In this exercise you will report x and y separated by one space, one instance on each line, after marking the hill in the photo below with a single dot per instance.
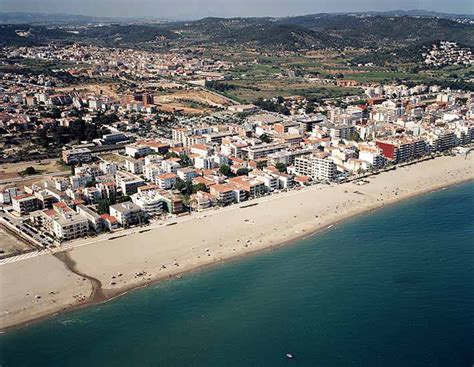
314 31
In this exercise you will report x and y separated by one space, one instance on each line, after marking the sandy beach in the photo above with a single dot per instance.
99 269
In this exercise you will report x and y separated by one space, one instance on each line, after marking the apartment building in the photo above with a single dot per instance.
372 155
94 219
263 150
186 174
172 203
342 132
68 225
254 187
134 165
128 183
442 141
108 168
24 204
166 180
127 213
151 202
74 156
201 201
403 149
136 151
223 193
315 167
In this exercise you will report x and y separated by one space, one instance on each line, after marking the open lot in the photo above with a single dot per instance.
106 89
15 170
11 245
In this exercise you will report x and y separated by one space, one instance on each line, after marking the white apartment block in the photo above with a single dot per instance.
69 225
151 202
134 166
127 213
316 168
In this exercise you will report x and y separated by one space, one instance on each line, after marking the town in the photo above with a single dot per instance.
131 156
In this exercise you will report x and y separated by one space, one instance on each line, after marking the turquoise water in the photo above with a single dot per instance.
392 288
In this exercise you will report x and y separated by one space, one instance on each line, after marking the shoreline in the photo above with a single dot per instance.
77 256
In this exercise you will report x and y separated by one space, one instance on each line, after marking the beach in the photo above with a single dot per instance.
102 268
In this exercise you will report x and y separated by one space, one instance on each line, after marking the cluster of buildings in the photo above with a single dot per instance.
192 164
121 62
447 53
205 164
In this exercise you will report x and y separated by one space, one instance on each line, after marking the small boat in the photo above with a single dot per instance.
290 356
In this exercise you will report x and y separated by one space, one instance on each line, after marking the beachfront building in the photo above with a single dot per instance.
127 213
403 149
109 222
317 168
151 202
172 203
372 155
201 201
253 187
442 140
94 219
24 204
68 225
223 193
269 181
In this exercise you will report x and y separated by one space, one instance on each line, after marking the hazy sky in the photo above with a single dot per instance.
225 8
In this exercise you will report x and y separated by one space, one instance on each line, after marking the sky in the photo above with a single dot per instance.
193 9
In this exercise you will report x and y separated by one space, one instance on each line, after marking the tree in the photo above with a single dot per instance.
281 167
180 185
171 155
225 170
199 187
185 160
310 108
123 199
103 206
30 171
242 172
265 138
91 183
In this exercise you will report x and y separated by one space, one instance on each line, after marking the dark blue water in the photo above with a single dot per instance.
392 288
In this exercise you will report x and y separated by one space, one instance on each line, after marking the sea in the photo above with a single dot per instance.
391 288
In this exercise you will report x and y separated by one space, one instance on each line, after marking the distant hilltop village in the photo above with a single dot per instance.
145 136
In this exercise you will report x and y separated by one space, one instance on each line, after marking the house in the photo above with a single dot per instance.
110 222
